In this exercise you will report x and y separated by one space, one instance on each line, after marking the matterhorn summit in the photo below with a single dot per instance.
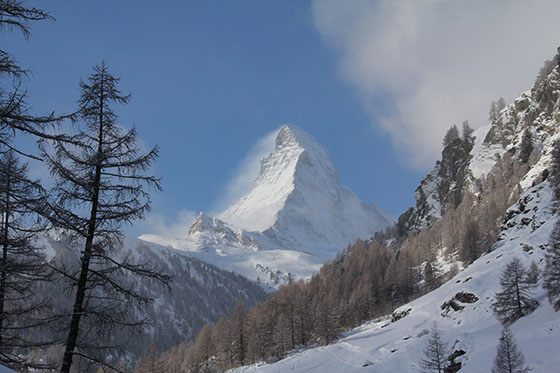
295 217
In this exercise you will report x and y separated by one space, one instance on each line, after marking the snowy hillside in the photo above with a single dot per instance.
296 217
385 346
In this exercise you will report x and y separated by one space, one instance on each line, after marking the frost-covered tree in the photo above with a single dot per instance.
551 273
526 147
101 184
514 300
435 352
508 357
451 135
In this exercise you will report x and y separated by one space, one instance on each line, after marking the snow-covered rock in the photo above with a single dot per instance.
537 110
296 217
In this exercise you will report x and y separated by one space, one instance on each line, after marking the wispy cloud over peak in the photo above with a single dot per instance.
436 62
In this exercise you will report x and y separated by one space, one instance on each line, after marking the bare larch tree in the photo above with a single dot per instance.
435 352
14 110
508 357
101 183
21 263
514 300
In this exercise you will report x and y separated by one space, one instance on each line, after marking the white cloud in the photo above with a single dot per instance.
438 62
159 224
245 174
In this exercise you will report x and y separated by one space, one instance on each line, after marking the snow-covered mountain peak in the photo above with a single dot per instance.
295 217
202 222
296 160
308 151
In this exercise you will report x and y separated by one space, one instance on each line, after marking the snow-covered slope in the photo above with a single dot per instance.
296 217
385 346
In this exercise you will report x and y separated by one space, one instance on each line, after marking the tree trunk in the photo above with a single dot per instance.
86 257
4 275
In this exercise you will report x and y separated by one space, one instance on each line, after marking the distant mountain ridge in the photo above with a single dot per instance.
295 217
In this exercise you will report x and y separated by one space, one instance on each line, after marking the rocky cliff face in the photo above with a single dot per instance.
462 170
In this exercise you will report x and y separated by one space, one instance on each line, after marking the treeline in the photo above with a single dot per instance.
368 280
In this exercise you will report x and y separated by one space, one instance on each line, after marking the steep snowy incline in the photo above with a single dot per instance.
385 346
296 217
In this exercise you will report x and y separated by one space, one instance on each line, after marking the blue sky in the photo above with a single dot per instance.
209 79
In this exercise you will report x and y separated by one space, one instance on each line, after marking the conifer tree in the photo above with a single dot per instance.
533 274
451 135
204 347
238 323
100 185
508 358
547 68
526 146
151 362
435 352
493 114
554 175
514 300
500 105
431 277
551 274
22 264
467 136
472 243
